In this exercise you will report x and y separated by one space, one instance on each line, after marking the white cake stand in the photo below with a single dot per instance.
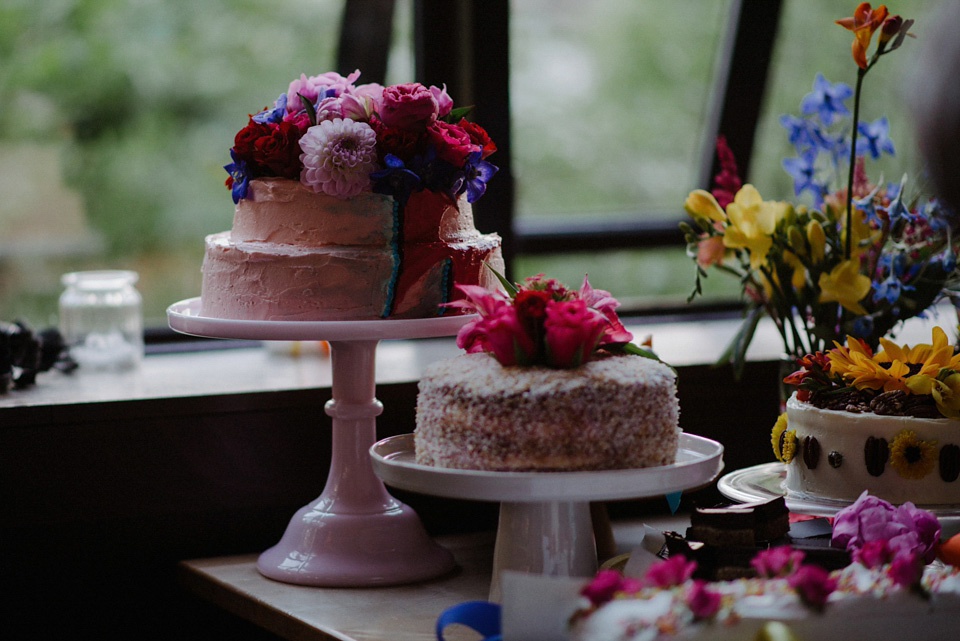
545 525
355 534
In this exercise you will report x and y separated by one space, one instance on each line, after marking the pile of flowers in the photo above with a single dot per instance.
341 139
542 322
861 257
921 381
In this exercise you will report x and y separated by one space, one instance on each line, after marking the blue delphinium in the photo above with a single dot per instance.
874 138
826 100
395 179
476 174
240 176
274 114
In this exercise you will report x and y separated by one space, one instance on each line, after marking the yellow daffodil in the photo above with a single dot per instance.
912 457
702 203
752 222
845 285
817 239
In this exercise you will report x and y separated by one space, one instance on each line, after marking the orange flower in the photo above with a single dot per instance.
864 22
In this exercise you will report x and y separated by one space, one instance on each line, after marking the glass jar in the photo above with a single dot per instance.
101 319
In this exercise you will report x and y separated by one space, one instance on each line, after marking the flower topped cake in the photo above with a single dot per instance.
884 421
550 382
352 202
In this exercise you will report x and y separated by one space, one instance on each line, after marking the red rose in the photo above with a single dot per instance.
408 106
451 142
244 143
402 143
478 136
280 150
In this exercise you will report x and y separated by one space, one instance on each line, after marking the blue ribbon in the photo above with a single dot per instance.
673 500
480 616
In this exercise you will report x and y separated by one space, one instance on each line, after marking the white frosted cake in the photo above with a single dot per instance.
885 422
353 202
614 412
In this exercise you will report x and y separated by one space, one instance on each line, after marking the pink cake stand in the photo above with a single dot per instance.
355 534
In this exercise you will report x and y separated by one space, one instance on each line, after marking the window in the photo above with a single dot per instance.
115 121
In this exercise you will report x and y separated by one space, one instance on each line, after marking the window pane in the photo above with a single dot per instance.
608 101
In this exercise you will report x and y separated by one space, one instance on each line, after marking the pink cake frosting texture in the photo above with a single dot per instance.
293 254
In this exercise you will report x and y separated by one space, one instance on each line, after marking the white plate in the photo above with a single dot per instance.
765 481
699 461
184 317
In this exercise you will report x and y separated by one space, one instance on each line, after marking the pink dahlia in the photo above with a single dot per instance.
338 157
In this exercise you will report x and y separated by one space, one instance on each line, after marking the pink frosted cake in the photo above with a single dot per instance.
547 387
885 422
352 202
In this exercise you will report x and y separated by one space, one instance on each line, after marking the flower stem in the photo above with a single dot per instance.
848 249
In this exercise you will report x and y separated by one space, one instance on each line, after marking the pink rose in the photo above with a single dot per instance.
906 529
777 561
444 101
407 106
671 572
452 143
906 570
703 603
872 554
571 332
813 584
507 338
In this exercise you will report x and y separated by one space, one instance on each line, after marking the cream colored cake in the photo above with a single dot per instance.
840 454
615 412
293 254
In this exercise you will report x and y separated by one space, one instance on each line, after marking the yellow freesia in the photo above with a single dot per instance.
863 234
752 222
817 239
845 285
702 203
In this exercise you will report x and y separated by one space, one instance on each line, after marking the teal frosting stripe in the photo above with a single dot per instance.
446 286
395 251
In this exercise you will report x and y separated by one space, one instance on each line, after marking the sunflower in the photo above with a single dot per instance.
784 442
912 457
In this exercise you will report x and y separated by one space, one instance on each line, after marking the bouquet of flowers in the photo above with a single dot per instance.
542 322
342 139
862 258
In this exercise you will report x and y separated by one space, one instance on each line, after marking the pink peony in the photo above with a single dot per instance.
338 157
407 106
311 88
777 561
571 332
906 529
671 572
452 142
813 584
703 602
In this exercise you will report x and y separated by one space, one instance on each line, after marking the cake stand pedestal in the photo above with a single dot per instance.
545 525
355 534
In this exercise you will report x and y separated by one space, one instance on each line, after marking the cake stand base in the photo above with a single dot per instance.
329 549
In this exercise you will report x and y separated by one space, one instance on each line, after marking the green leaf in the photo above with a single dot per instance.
456 114
308 106
736 350
507 285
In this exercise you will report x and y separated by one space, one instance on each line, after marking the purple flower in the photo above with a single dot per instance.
239 179
338 157
826 100
778 561
395 180
813 584
874 138
906 529
476 173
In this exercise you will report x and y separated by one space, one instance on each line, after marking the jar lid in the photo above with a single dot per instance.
100 279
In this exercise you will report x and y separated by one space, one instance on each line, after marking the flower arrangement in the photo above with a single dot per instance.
922 381
542 322
861 257
341 139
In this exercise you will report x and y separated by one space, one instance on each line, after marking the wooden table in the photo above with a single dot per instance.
401 613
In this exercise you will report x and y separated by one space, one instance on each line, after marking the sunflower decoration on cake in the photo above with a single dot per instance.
854 258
